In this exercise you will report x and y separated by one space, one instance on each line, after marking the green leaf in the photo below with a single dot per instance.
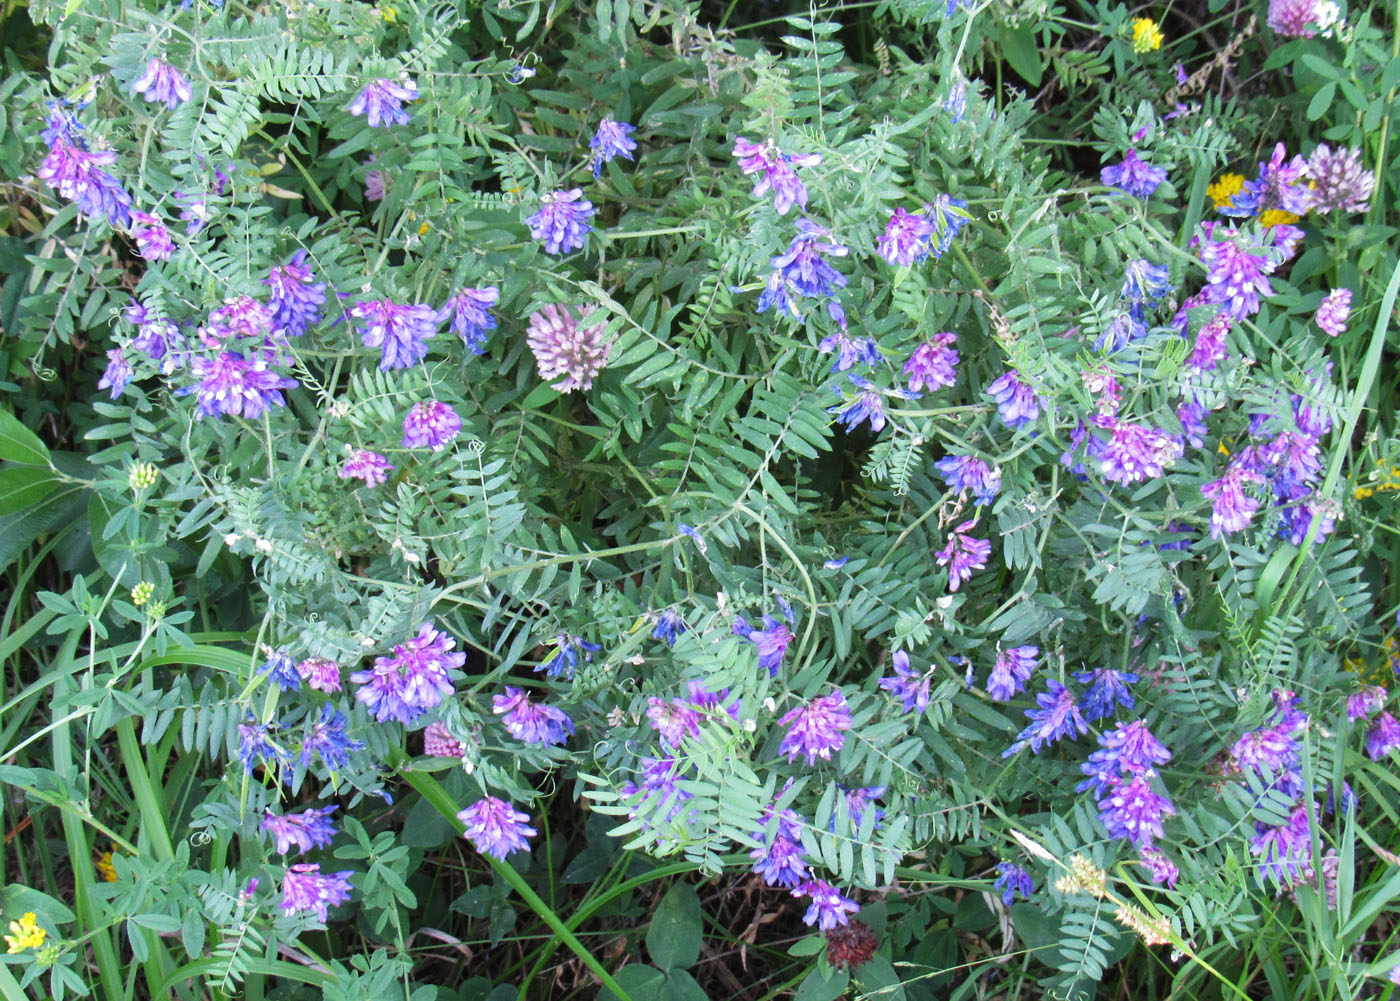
23 487
1019 47
809 946
819 988
676 929
681 986
641 982
19 444
1322 100
425 827
877 978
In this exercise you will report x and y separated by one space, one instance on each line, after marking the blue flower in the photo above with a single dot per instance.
162 84
328 739
949 216
1144 284
1108 689
1011 880
1133 175
303 831
864 351
611 140
829 908
563 222
381 102
117 374
780 861
966 472
496 827
565 657
471 319
909 686
772 642
297 297
1017 403
694 536
1055 717
866 405
400 332
669 626
281 669
255 745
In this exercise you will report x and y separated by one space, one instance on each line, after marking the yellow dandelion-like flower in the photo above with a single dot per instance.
1147 37
1276 217
1226 186
25 934
104 867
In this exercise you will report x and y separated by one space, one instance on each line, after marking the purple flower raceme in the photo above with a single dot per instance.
1361 705
1232 508
400 332
674 720
863 351
1285 851
1339 181
280 668
162 84
933 364
1134 452
371 467
76 173
1127 749
241 318
1055 717
949 216
828 908
155 337
1011 880
564 660
327 739
612 139
230 384
1334 311
381 102
414 679
776 172
302 831
867 405
1133 175
969 473
1280 184
297 297
496 827
658 795
431 425
1209 350
117 374
1383 737
563 221
438 742
320 673
153 240
816 728
805 271
305 890
1132 810
1108 690
669 626
1235 277
1144 284
256 745
905 240
1017 403
567 345
530 722
963 554
1013 668
772 641
908 685
470 315
1160 869
781 861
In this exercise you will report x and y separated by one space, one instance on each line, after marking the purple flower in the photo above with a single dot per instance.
966 472
867 405
674 721
1339 181
816 728
1285 852
1017 403
496 827
1290 18
1160 869
1209 349
413 680
1126 749
1133 811
829 909
305 890
241 318
565 657
319 673
230 384
400 331
906 684
153 240
374 183
563 222
328 739
282 671
1383 737
1013 668
381 102
1334 311
949 217
777 172
1135 452
117 374
772 642
76 174
1011 880
531 723
906 238
567 345
432 425
1144 284
154 336
1108 689
933 364
255 744
1134 175
1055 718
780 861
669 626
611 140
805 268
438 742
859 800
1232 507
1361 705
963 554
297 297
865 351
1235 278
371 467
658 793
162 84
303 831
1278 185
471 319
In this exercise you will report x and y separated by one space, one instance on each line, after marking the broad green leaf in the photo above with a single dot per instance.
19 444
1021 51
23 487
676 929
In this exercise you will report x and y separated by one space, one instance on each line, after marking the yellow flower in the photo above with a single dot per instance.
1226 186
104 867
25 934
1147 37
1276 217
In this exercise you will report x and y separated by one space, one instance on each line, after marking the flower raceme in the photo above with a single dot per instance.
776 172
413 679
